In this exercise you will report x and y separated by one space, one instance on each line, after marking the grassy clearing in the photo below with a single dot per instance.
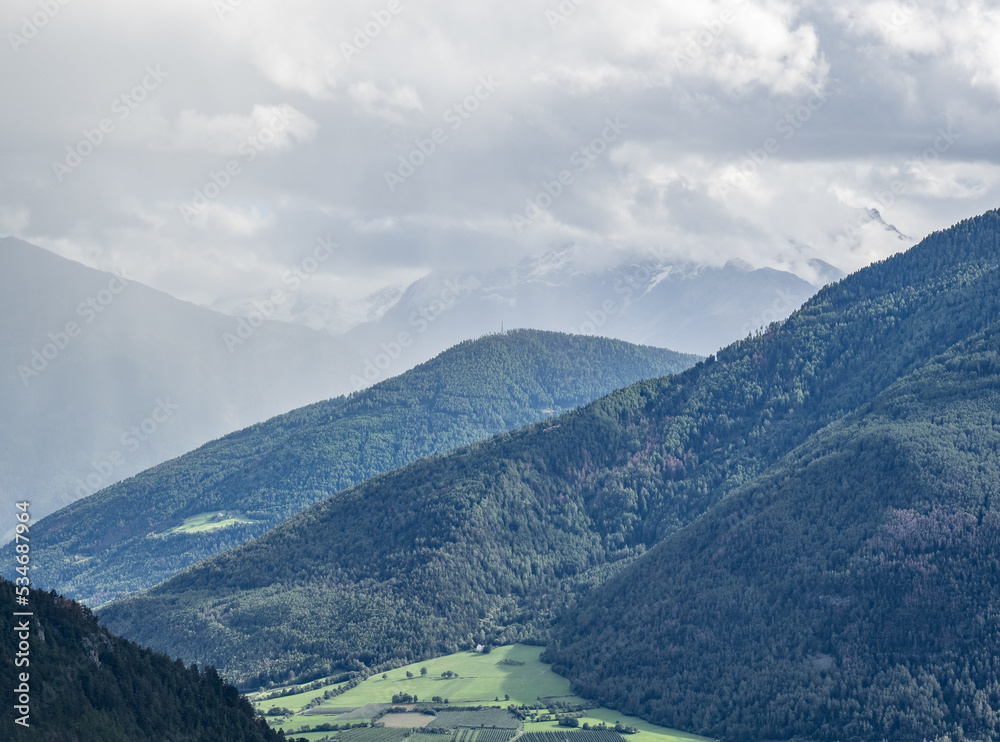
206 522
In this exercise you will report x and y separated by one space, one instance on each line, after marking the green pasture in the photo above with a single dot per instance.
480 679
206 522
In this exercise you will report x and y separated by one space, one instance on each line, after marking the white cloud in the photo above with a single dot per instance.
396 107
701 85
737 46
965 33
14 219
373 226
275 126
234 221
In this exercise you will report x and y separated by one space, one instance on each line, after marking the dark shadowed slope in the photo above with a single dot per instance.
86 685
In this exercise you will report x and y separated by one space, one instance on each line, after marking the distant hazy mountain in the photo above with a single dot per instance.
685 307
104 377
147 529
690 308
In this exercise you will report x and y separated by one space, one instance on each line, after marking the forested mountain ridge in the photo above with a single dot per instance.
132 536
86 685
488 542
851 593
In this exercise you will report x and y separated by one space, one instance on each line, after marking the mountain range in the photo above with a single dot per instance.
796 538
794 505
684 306
107 377
148 528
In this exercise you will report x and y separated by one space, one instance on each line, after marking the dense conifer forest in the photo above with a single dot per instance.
87 685
851 593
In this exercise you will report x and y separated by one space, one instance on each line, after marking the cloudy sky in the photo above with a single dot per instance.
204 147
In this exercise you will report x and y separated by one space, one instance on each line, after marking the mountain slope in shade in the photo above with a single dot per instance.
494 539
127 537
102 378
87 685
852 593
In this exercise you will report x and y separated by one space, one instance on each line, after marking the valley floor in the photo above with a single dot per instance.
506 676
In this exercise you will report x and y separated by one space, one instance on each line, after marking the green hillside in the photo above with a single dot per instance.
852 593
148 528
86 685
488 543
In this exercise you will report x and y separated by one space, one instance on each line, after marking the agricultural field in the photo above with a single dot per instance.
496 718
374 734
646 732
360 713
573 735
507 675
483 735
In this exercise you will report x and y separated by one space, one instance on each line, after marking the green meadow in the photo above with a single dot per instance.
206 522
481 679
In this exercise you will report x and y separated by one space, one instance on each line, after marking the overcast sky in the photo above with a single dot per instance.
699 131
